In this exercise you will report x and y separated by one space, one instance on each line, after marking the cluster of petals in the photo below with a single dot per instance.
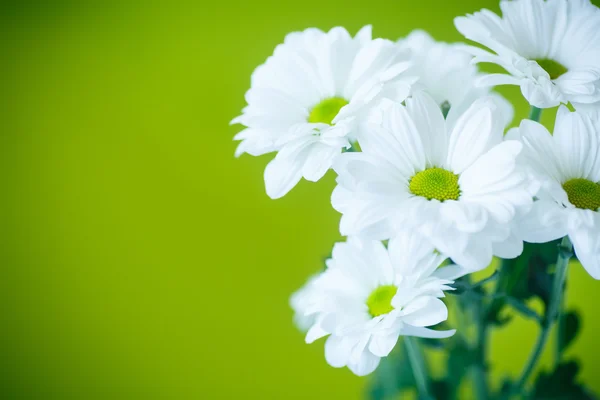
426 170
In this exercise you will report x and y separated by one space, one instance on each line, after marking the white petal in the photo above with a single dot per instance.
493 182
284 172
425 311
509 248
578 143
367 364
541 93
451 272
430 124
466 217
365 34
541 153
477 255
382 345
496 79
418 331
315 333
337 350
586 243
409 251
545 222
398 140
319 161
475 132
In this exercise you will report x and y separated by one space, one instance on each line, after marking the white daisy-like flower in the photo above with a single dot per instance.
458 185
308 99
302 300
567 165
446 72
369 296
551 49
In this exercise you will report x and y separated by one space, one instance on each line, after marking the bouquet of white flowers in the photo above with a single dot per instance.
431 187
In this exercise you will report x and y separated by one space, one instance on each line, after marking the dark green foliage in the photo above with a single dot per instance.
440 390
393 375
561 384
525 277
569 327
460 360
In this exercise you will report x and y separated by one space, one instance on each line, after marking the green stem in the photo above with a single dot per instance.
562 263
535 114
479 371
560 329
417 363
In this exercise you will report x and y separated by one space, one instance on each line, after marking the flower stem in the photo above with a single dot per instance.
480 369
562 263
535 114
417 363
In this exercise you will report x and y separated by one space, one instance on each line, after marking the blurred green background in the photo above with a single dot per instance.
139 259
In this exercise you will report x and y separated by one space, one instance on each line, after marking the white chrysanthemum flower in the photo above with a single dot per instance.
458 185
551 49
567 165
446 72
307 100
303 299
369 296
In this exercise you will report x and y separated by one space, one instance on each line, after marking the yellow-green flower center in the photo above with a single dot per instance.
553 68
326 110
583 194
435 183
380 301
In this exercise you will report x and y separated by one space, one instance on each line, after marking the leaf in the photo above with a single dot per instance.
569 325
460 358
525 276
561 385
440 390
505 388
436 344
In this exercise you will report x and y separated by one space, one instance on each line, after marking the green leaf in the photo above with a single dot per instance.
436 344
525 277
460 358
570 324
440 390
560 384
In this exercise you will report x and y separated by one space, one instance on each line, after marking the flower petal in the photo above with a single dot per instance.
425 311
418 331
382 345
476 131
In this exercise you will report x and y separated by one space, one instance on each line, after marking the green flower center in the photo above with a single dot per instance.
326 110
435 183
380 301
583 194
553 68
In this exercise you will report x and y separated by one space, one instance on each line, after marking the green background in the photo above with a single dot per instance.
139 259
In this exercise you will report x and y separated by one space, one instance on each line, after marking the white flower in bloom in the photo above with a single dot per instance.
308 100
458 185
567 165
369 295
550 48
303 300
446 72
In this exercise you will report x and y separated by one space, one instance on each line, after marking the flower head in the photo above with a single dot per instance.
446 72
458 185
369 296
308 99
551 49
567 165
